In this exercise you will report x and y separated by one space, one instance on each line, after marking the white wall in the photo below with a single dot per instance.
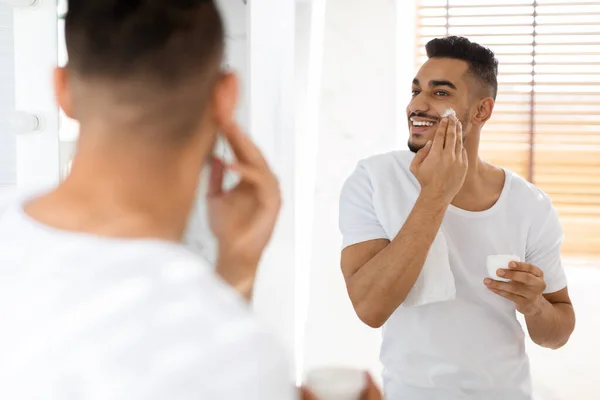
305 151
310 25
358 119
36 54
271 32
405 64
27 56
8 150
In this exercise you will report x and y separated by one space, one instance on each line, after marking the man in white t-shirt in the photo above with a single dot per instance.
470 347
100 300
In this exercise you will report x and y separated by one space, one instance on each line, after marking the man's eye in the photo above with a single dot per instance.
415 92
441 93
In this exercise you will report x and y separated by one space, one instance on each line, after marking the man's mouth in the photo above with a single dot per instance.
421 123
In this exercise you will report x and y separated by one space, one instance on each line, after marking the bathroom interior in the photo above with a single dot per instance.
325 83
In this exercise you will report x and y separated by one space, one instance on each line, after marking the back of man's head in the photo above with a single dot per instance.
146 66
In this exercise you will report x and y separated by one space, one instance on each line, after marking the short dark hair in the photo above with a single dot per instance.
161 46
482 61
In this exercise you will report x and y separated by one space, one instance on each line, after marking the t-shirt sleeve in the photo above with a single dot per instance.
543 251
357 219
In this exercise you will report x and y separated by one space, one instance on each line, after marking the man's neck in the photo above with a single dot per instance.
478 169
476 174
483 182
120 193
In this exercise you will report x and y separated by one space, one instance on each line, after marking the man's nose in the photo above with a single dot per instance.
418 104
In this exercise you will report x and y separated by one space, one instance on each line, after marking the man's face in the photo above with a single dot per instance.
440 84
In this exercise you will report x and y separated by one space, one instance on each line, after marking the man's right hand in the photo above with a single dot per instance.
441 166
243 218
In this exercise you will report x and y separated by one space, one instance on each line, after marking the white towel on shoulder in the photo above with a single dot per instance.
395 191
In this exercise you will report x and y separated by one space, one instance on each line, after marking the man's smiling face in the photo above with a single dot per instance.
441 84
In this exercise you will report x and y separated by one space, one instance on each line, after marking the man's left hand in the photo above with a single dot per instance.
525 289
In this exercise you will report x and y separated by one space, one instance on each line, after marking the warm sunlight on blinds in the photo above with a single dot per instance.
546 124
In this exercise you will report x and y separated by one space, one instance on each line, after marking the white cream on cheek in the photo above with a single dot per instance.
448 113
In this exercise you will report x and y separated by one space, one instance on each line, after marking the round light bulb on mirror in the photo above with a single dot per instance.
19 3
24 123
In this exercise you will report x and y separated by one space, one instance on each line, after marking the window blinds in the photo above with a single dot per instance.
546 124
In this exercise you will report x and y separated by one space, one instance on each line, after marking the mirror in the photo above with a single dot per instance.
545 127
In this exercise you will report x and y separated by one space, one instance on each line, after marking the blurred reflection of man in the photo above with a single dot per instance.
99 298
471 347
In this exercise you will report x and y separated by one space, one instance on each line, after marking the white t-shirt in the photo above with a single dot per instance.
472 347
86 317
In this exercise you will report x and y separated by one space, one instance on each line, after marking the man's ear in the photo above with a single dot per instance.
62 91
225 99
484 111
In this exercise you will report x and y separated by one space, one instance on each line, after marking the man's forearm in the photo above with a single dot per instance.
553 325
382 284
